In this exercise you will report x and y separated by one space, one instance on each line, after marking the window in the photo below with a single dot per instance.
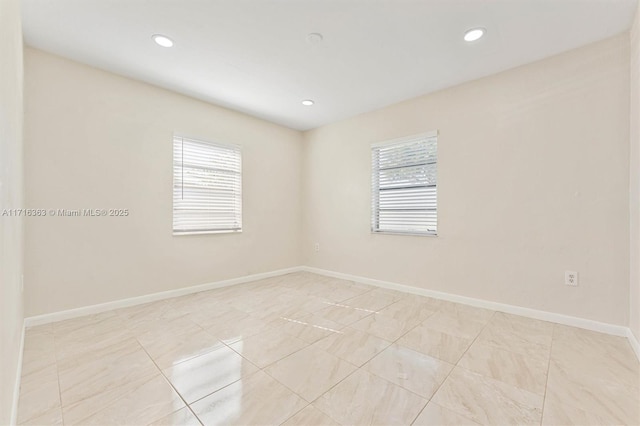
207 187
404 185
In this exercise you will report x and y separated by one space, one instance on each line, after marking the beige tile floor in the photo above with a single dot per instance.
304 349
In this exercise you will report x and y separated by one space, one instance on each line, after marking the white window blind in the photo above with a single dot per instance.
404 185
207 187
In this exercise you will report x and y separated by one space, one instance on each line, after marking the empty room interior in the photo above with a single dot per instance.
320 212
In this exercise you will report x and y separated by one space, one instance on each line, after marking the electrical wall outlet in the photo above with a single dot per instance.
316 246
571 278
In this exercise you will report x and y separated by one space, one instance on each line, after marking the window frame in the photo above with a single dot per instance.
229 146
375 201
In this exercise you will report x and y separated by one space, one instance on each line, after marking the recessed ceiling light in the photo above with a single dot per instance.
314 38
474 34
161 40
307 102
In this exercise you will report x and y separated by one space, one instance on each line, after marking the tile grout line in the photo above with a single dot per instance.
58 372
236 352
332 387
113 344
516 353
135 337
310 344
263 369
227 345
382 378
439 309
358 368
297 412
55 356
362 367
571 404
168 381
454 367
57 382
395 342
189 359
546 383
156 365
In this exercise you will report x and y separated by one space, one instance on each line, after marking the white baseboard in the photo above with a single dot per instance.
616 330
634 342
123 303
16 386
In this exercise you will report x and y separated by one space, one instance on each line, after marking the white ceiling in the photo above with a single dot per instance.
253 56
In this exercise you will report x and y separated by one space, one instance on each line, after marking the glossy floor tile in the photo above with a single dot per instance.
268 347
354 346
309 328
435 343
257 399
39 394
488 401
365 399
105 370
527 372
311 416
304 349
182 417
385 327
409 369
434 414
205 374
310 372
153 398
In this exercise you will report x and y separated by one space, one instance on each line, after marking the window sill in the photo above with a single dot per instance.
411 234
178 234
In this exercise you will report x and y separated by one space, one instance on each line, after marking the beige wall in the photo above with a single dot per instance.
11 113
634 181
533 180
97 140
